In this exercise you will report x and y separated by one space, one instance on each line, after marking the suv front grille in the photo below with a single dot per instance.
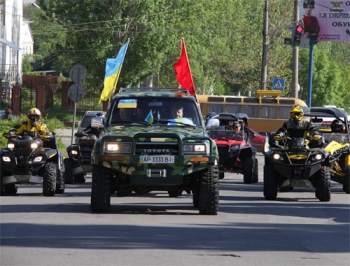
146 145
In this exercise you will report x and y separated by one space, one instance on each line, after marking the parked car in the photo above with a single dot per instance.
257 140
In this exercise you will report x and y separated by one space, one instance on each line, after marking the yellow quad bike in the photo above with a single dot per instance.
337 144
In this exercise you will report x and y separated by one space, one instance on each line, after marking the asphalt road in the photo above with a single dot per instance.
296 229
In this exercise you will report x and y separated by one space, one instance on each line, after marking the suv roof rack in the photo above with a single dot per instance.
142 89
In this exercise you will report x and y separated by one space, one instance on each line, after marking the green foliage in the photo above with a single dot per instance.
52 124
26 67
223 40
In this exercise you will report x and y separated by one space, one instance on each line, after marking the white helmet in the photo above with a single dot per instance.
34 115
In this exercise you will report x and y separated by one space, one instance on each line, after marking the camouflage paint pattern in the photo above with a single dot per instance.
153 137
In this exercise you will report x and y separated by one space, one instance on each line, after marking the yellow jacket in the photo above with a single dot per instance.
41 128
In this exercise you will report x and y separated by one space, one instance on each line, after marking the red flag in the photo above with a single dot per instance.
183 71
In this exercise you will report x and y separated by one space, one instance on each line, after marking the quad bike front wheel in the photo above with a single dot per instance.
49 174
323 185
270 183
248 169
68 173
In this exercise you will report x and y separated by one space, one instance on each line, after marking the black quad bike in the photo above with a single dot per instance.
290 162
337 144
78 162
31 159
236 154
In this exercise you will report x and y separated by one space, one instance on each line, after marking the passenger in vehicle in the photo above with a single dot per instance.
337 126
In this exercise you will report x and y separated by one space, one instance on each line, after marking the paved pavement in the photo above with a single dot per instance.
66 135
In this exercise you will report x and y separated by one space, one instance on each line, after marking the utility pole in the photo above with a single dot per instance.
265 47
295 71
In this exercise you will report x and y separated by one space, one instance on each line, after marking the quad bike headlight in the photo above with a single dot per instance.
318 157
38 159
6 159
34 145
11 145
74 152
276 156
235 147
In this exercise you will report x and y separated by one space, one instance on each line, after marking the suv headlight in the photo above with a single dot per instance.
117 147
196 148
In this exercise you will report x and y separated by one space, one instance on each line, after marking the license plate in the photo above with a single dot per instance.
156 159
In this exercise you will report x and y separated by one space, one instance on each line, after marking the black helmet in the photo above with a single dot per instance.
337 126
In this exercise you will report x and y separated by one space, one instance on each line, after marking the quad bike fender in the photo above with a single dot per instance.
22 179
51 153
247 152
347 160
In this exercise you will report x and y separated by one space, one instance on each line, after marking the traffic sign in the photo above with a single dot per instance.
76 92
278 84
77 73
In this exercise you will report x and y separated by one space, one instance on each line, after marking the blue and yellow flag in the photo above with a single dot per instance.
113 68
149 118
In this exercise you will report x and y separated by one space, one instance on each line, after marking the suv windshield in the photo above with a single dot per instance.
155 110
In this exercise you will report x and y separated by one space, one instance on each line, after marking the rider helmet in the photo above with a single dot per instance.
337 126
297 114
34 115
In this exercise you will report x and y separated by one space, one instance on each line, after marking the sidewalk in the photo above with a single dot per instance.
64 132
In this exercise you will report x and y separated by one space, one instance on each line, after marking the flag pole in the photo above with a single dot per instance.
115 85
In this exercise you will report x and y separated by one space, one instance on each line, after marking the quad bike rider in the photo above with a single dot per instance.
31 157
236 154
79 161
338 147
337 141
295 158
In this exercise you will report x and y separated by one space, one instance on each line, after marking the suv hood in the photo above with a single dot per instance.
187 131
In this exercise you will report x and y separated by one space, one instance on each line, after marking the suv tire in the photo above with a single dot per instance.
101 189
209 192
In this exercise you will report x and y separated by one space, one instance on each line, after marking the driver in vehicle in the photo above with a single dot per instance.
337 126
33 125
177 114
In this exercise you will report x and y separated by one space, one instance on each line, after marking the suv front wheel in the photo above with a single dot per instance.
209 192
101 189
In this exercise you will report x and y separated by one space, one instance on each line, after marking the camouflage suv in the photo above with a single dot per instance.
144 147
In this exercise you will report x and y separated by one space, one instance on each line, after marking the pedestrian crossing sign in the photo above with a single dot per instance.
278 84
